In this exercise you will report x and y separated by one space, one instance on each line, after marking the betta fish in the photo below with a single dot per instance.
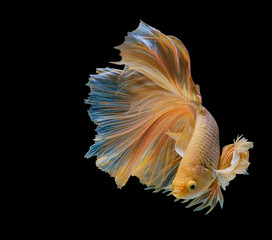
151 123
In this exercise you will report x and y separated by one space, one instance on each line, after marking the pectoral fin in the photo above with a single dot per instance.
234 160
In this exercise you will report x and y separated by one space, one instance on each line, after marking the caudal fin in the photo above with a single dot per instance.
133 115
136 107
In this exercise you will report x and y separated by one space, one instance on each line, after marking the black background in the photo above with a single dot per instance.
51 186
227 51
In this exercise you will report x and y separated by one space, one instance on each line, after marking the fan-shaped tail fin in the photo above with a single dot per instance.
136 109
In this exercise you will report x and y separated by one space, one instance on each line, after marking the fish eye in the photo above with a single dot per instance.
191 185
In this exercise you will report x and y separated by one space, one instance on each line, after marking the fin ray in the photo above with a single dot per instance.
132 127
209 198
137 108
234 160
161 58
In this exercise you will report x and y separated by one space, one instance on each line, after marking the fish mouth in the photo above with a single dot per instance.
178 192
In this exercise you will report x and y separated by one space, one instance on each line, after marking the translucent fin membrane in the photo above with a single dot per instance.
234 160
133 115
161 58
134 109
209 198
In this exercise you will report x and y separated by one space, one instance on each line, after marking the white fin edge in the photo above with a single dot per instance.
238 165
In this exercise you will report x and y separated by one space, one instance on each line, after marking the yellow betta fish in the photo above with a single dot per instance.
151 123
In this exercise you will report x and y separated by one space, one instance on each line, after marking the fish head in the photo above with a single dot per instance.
192 182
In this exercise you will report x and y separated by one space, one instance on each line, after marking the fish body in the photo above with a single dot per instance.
152 124
201 156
